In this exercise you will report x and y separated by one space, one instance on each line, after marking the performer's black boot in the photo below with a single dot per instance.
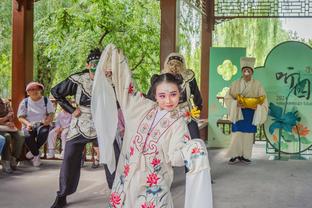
59 202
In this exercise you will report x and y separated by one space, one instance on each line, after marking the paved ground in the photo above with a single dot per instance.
263 184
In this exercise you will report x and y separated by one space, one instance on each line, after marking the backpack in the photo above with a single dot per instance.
45 103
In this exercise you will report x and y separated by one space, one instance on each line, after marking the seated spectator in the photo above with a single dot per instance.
14 139
36 114
61 128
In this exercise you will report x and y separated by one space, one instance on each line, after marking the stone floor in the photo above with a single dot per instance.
263 184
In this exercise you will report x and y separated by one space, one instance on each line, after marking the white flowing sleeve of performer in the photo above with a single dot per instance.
235 113
104 112
198 190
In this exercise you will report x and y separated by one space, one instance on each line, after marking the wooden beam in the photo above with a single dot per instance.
206 43
168 31
22 48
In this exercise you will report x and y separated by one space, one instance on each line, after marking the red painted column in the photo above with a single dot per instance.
22 48
168 31
206 44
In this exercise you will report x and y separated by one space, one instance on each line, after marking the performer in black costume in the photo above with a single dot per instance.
81 130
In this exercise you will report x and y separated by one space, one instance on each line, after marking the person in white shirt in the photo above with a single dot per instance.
36 113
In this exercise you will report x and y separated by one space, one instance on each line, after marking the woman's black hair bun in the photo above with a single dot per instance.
154 78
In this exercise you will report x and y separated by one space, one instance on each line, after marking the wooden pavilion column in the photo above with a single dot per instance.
22 48
168 31
206 44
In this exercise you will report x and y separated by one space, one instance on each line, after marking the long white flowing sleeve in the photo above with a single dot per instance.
234 112
104 113
261 112
193 154
198 190
103 103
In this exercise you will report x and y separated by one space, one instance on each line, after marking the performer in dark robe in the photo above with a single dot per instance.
81 130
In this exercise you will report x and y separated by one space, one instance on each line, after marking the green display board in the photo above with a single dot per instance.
286 77
224 69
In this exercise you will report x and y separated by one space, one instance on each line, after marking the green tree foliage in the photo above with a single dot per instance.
5 47
189 37
66 30
64 35
259 36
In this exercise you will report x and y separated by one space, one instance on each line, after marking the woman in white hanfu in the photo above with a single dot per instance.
156 139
